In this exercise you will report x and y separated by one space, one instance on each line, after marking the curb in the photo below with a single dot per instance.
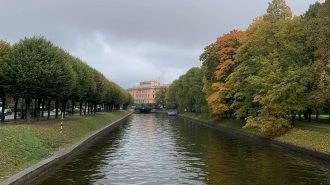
41 169
305 151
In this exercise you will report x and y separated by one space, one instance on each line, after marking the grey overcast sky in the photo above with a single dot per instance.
130 41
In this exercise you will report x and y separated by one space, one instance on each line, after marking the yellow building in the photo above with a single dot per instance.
146 91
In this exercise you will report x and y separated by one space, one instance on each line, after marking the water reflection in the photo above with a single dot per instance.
157 149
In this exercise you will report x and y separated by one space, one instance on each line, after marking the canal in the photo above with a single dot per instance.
157 149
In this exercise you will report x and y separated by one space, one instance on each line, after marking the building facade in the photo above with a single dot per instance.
146 91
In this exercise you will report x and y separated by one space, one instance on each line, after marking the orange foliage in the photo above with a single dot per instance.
227 46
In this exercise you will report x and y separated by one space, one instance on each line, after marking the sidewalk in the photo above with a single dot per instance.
9 122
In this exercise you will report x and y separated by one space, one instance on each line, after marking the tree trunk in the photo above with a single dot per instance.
64 107
80 108
85 108
48 109
15 109
38 110
22 110
88 107
27 114
56 109
299 116
72 108
306 115
35 108
317 115
293 117
43 108
3 100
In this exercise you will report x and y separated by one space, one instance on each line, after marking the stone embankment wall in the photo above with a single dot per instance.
40 170
264 140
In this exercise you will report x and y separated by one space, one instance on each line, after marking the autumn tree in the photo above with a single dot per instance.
270 77
323 52
241 89
218 94
309 36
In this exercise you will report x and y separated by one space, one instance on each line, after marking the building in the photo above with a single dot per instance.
146 91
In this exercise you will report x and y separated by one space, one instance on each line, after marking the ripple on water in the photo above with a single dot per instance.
157 149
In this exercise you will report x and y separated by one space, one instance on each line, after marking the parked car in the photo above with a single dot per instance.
59 111
8 112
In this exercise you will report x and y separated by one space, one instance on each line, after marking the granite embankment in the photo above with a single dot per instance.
30 150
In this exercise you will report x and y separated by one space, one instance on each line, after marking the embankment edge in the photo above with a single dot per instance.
265 140
39 170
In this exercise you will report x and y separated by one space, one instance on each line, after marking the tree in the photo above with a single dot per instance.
78 92
324 27
160 96
269 82
62 81
240 88
5 48
218 94
323 44
170 97
196 91
309 36
29 67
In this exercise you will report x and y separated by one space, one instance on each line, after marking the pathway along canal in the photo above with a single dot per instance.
157 149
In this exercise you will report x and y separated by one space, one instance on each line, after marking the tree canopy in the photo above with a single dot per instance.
36 69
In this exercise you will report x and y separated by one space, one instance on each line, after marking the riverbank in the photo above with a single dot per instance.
24 145
311 138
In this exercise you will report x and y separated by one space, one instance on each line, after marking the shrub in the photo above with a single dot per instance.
270 126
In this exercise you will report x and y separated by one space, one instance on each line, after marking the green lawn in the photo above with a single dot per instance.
23 145
312 135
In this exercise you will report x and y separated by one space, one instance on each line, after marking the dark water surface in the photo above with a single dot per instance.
157 149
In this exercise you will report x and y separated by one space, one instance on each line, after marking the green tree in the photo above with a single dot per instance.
309 36
324 35
170 97
29 67
160 96
196 93
323 52
62 81
272 64
241 89
77 93
5 48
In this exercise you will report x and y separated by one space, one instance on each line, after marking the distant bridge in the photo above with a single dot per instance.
144 109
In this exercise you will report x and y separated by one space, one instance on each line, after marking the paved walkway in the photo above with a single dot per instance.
10 122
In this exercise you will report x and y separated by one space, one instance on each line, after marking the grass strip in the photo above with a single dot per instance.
22 146
311 135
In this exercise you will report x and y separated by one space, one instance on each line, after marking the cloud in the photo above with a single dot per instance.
133 41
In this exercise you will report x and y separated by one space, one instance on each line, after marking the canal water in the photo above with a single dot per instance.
157 149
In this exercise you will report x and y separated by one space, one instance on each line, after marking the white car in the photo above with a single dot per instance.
8 112
59 111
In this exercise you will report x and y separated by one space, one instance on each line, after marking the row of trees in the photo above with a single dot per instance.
277 68
35 69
